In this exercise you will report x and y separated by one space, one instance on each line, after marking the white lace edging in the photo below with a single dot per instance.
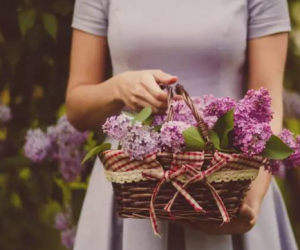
223 176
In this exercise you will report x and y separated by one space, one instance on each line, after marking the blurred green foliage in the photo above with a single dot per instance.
35 37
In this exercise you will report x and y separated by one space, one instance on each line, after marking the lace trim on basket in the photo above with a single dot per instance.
223 176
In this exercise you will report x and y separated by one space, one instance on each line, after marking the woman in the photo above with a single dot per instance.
208 46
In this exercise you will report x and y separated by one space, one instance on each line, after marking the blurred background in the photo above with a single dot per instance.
42 189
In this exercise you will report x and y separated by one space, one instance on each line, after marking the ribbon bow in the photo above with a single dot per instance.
172 176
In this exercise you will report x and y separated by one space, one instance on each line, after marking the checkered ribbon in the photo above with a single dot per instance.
166 177
172 175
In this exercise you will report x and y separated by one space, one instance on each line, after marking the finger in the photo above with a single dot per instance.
178 97
147 97
139 104
151 85
162 77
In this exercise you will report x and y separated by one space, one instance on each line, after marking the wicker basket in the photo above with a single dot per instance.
208 186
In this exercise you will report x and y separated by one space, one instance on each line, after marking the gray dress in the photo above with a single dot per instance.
204 44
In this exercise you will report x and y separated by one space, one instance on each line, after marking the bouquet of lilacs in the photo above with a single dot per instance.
235 127
61 143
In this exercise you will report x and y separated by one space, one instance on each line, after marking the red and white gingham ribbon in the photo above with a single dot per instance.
165 177
172 176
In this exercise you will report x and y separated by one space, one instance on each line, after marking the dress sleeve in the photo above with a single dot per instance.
266 17
91 16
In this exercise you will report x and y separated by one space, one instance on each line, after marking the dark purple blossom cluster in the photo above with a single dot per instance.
252 117
63 222
61 142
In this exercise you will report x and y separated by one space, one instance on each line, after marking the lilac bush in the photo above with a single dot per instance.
37 146
63 223
62 143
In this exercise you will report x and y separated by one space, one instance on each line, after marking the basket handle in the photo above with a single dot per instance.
203 128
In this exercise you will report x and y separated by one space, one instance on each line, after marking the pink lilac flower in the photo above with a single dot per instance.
117 126
37 145
140 140
216 108
68 238
5 114
171 136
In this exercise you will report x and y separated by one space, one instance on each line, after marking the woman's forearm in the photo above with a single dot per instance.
89 105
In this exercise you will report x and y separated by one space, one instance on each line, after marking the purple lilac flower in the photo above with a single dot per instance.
140 140
68 238
252 116
70 162
158 120
181 112
5 114
250 137
37 145
117 126
67 144
256 105
65 134
277 168
216 108
294 159
291 103
63 220
171 136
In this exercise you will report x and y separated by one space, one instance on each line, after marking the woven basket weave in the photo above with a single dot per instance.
133 192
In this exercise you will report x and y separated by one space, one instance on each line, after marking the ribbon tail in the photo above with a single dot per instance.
186 195
219 202
152 213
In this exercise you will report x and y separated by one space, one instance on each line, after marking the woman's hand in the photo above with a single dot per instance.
139 89
242 224
247 217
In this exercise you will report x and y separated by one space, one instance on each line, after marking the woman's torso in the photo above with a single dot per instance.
202 42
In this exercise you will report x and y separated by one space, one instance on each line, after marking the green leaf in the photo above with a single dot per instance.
223 126
95 151
143 115
149 120
50 24
276 149
193 139
128 113
157 128
27 19
215 139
